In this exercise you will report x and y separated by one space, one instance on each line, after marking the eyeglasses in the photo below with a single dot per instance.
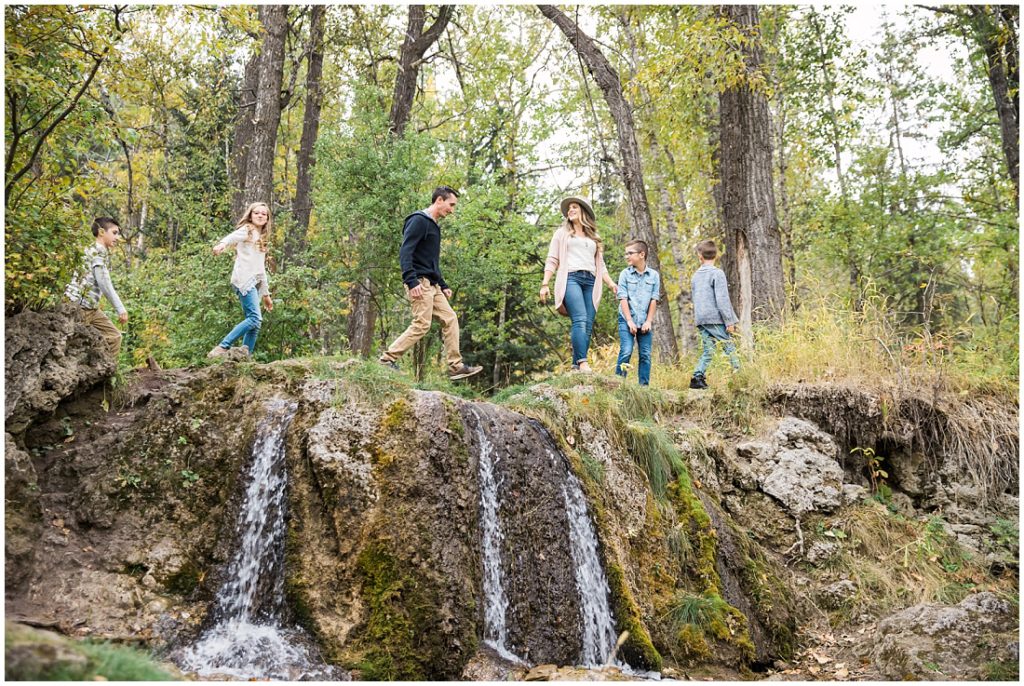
632 252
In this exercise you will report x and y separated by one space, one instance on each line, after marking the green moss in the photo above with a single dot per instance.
691 645
700 536
185 580
397 415
638 650
395 644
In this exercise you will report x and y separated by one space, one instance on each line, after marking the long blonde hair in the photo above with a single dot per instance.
589 227
267 229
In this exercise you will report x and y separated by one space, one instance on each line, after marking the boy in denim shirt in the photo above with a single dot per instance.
712 312
638 293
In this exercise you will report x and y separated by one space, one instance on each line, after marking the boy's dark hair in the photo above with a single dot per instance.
444 192
103 223
707 250
640 244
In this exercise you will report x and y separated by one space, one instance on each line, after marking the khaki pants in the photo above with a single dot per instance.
431 305
98 320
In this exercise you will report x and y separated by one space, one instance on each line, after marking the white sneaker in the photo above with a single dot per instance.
217 351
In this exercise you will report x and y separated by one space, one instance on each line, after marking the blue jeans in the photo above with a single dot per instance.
579 301
643 342
249 328
710 335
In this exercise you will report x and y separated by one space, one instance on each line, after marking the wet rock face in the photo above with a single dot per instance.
947 642
388 568
383 563
120 525
544 612
49 356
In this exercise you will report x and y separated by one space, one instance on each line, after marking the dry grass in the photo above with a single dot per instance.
896 563
826 341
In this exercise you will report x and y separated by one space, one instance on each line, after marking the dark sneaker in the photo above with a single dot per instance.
698 382
463 372
390 364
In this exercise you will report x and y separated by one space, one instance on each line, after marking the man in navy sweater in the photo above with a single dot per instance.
420 259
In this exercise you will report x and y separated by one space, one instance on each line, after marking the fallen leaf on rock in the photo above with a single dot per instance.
822 659
842 673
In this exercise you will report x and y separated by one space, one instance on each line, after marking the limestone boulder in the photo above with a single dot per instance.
944 642
799 468
49 356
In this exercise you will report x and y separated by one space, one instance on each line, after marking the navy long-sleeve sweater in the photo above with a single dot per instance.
420 254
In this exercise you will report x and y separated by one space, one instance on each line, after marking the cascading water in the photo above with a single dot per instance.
248 639
542 572
495 599
598 623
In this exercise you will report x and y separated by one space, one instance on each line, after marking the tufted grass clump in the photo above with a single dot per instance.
655 454
698 621
699 610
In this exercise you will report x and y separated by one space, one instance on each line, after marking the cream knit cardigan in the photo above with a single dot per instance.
558 264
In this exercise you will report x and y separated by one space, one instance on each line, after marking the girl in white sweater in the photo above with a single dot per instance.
249 276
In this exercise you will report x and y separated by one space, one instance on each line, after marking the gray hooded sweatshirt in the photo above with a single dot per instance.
710 294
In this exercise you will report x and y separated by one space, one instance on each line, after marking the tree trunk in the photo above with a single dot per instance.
302 205
1003 78
362 317
414 47
687 331
242 139
607 80
502 317
753 246
259 170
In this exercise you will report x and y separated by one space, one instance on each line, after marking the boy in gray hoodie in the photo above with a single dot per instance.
712 312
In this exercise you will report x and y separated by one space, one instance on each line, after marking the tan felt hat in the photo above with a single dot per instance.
584 205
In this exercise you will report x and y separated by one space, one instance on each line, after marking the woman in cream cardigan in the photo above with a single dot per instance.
576 258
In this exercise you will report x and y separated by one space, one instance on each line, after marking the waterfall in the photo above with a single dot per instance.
495 599
248 639
598 623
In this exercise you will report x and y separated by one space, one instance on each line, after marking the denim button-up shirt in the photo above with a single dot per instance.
639 289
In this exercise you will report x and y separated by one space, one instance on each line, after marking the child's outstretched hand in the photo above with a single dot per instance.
218 249
268 303
731 328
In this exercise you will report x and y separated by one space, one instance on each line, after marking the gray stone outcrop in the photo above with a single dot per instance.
947 642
